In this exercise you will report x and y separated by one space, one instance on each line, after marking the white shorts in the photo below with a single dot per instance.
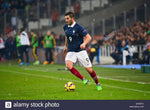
82 57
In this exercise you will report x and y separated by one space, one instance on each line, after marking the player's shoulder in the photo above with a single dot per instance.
65 26
23 33
52 36
79 26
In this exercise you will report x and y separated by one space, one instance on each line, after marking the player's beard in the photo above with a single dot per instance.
70 23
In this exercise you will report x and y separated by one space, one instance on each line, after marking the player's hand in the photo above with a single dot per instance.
65 50
82 46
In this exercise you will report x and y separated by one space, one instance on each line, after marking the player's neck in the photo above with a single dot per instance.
72 25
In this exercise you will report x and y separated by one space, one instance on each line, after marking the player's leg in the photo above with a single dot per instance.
35 56
46 56
2 51
85 61
52 56
0 54
21 55
34 51
18 54
94 76
27 56
69 65
49 55
70 60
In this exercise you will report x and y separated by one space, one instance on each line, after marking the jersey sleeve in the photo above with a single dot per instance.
35 39
64 27
54 41
44 41
82 31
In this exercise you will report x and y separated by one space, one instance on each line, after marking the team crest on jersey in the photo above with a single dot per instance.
73 31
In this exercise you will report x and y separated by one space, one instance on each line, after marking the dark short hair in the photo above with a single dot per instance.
71 14
22 29
32 30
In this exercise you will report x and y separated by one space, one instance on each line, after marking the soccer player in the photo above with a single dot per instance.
25 43
75 43
18 45
2 49
49 43
34 44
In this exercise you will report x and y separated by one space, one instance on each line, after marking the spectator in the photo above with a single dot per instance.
9 47
25 43
120 55
18 45
14 22
8 29
117 51
54 16
94 50
61 40
76 8
34 44
146 53
2 49
49 43
5 5
63 6
40 40
131 50
27 7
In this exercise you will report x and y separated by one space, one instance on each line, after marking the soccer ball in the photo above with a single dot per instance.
133 68
69 86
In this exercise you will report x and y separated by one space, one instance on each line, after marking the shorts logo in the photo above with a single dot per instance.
87 61
8 105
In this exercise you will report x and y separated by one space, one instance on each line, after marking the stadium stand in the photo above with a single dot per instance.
104 20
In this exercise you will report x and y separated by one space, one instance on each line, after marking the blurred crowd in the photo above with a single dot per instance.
137 34
47 8
16 10
10 43
124 39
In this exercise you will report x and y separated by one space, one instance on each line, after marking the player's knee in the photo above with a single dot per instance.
68 66
89 69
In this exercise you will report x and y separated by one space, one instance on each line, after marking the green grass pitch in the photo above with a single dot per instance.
47 83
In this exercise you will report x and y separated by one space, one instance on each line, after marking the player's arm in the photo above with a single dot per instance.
54 41
44 42
87 40
66 43
35 39
17 40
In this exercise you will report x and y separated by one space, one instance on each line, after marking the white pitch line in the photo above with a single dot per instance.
44 76
108 78
123 80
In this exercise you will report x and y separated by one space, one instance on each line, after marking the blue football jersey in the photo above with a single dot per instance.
74 36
